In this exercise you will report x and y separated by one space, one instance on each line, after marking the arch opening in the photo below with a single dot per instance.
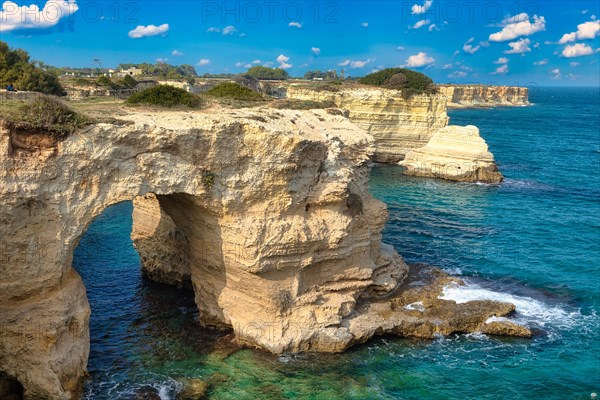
10 388
141 320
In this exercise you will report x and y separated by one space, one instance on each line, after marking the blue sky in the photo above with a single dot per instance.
496 42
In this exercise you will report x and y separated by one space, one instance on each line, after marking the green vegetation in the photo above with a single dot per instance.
163 70
128 82
16 69
208 179
49 115
231 90
410 82
302 104
165 96
265 73
107 83
326 75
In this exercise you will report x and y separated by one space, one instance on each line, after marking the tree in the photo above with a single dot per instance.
259 72
16 69
415 81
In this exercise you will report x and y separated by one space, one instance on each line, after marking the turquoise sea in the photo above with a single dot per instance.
533 240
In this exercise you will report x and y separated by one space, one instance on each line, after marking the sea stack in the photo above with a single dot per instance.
456 153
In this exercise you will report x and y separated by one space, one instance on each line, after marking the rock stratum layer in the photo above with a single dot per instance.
398 124
455 153
266 213
466 96
413 130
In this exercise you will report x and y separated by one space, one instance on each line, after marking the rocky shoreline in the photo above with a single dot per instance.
273 213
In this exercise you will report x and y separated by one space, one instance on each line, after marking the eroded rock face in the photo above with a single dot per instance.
266 211
455 153
162 245
464 96
398 124
283 236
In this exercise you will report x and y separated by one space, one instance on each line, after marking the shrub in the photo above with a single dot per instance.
416 82
208 179
106 82
16 69
231 90
260 72
49 115
128 81
165 96
397 81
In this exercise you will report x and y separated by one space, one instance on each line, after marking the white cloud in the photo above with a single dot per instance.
203 62
356 63
432 27
519 47
400 48
457 74
519 25
13 16
150 30
316 51
365 24
501 70
213 29
574 64
555 74
522 17
418 60
229 30
541 62
447 66
587 30
240 64
295 24
360 63
176 53
469 48
417 9
162 60
420 23
282 59
256 62
456 52
502 60
577 50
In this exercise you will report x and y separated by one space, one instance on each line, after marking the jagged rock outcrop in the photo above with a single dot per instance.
455 153
398 124
465 96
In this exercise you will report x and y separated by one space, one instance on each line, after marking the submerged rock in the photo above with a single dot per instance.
193 389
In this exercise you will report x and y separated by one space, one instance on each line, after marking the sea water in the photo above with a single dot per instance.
533 240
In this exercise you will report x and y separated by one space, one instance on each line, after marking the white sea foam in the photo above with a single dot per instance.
415 306
163 393
496 319
529 311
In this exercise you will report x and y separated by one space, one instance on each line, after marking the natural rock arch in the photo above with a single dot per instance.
284 194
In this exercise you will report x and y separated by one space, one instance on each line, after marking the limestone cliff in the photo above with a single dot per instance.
465 96
283 235
398 124
455 153
268 211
